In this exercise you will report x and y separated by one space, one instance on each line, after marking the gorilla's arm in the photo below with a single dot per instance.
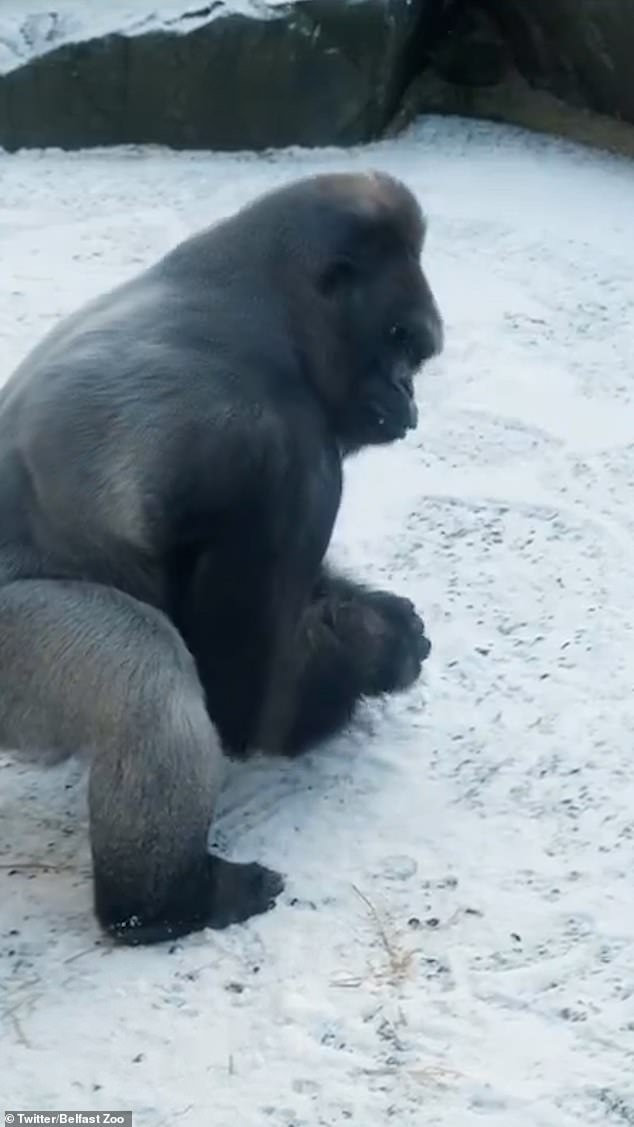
242 608
352 642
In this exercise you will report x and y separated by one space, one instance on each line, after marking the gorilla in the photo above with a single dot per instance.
170 473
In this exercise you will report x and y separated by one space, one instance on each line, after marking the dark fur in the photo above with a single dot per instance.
170 474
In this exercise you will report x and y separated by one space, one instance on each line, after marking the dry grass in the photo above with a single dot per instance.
399 961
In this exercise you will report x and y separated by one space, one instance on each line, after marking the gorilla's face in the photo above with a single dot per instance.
363 314
400 328
391 326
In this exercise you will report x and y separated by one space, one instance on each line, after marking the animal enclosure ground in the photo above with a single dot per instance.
456 942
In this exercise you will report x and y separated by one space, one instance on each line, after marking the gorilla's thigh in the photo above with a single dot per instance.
85 667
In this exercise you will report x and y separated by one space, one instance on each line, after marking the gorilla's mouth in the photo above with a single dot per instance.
393 407
392 426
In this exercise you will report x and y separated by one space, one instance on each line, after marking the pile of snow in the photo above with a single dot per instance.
456 943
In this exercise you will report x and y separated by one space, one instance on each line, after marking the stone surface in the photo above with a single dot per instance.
515 102
469 48
309 72
257 74
580 50
554 66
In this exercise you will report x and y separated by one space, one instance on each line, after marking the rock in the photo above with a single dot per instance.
578 50
554 66
306 72
514 102
472 51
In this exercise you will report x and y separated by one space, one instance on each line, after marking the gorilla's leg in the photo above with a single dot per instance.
84 667
355 642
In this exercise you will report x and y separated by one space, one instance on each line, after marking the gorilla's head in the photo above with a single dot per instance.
361 240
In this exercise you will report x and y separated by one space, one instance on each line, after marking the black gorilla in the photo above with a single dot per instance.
170 473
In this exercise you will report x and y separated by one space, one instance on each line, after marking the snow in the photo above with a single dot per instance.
28 28
456 942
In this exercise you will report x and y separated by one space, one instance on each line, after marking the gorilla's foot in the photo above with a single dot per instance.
241 891
221 893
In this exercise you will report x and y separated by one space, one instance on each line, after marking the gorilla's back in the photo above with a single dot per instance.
105 425
81 424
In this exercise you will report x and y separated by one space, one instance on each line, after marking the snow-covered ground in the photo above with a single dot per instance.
456 943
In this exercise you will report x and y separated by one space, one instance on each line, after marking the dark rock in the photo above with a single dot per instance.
515 102
554 66
579 50
473 51
310 72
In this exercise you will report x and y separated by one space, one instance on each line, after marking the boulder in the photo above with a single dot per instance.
579 50
554 66
240 74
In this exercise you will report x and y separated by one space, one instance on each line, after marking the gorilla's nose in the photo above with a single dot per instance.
433 334
426 336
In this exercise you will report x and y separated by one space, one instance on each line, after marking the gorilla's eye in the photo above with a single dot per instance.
406 341
400 336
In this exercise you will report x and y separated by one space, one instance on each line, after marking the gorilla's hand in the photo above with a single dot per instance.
400 646
354 643
381 634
